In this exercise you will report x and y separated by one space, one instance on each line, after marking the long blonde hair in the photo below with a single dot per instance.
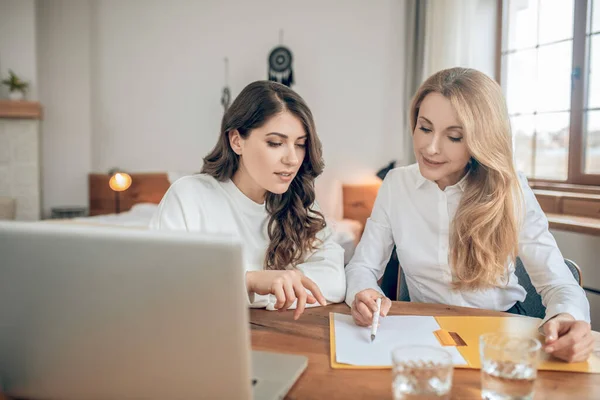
484 232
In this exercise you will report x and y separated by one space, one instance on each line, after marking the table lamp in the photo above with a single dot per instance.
119 182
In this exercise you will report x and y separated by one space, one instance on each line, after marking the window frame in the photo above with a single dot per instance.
579 85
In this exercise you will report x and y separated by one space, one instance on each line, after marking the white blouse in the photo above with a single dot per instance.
200 203
415 215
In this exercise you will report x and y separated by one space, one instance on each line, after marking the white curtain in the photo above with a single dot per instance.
449 35
443 34
414 46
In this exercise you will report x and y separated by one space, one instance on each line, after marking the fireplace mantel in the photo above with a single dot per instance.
20 109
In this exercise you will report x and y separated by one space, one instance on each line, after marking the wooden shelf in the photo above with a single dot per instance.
573 223
569 203
20 109
571 211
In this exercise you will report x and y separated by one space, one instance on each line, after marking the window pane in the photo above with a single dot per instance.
592 145
554 77
596 16
522 130
521 80
522 25
594 88
556 20
552 146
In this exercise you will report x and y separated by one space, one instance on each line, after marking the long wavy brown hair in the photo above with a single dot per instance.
484 232
293 223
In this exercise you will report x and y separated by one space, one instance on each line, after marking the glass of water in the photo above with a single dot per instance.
508 366
421 372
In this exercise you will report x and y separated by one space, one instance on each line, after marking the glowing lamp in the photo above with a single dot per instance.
119 182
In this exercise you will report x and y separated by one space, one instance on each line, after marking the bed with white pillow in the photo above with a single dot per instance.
137 217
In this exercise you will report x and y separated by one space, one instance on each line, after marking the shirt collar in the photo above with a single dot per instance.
462 184
420 179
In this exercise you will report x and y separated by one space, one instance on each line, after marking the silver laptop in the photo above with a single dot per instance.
108 313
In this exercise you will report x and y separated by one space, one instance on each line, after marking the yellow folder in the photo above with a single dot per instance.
469 329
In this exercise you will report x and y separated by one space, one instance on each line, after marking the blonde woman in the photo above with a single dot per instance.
461 215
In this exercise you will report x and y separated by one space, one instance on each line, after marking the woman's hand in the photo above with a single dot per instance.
365 304
568 339
287 286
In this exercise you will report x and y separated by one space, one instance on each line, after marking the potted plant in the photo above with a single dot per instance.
16 86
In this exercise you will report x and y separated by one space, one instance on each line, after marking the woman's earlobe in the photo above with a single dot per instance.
235 141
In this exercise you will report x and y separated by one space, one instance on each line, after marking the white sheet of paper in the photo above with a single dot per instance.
353 343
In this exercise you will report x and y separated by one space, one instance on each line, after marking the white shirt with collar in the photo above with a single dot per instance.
200 203
415 214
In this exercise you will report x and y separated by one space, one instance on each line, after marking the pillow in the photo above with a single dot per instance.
328 193
143 209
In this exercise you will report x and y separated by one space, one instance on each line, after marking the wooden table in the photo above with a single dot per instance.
309 336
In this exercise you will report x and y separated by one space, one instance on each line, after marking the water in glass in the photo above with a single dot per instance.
421 373
507 381
508 366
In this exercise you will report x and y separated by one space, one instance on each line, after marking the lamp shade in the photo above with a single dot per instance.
119 181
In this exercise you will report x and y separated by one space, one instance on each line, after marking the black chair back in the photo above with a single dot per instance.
395 287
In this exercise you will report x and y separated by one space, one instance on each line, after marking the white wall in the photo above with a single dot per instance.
157 83
137 84
148 77
585 251
17 43
64 54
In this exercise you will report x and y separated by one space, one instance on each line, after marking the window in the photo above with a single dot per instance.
550 61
